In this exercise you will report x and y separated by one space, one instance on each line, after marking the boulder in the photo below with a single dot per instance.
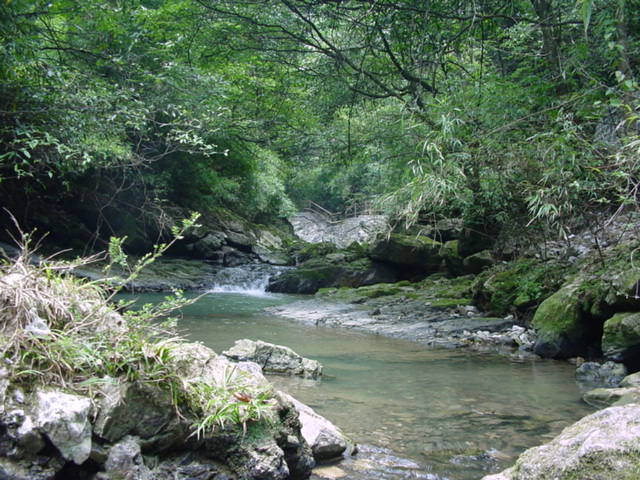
64 419
604 446
476 263
608 373
605 397
452 259
316 228
307 279
562 333
208 246
233 258
474 237
23 434
316 274
271 257
418 253
136 409
632 380
621 337
241 241
274 358
125 461
625 289
447 229
270 249
326 440
196 362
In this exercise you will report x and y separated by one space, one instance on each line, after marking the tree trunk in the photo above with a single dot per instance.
551 43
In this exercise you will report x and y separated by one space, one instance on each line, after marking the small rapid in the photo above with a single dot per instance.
251 280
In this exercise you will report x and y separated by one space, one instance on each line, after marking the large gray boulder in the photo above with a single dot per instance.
478 262
602 446
136 409
274 358
327 441
316 228
419 253
329 272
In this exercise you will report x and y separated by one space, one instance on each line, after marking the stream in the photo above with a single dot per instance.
415 412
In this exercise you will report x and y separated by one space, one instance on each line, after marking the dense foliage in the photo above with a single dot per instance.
519 116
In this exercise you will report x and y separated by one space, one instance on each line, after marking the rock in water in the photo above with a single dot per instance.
603 446
327 441
608 373
274 358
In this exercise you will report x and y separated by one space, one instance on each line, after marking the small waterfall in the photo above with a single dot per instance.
247 279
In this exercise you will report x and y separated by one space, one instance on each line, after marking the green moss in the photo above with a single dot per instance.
310 251
516 286
622 331
561 312
450 249
356 295
450 302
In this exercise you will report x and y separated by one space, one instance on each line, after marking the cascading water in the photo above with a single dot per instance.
248 279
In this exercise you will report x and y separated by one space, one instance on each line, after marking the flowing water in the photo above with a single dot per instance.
415 412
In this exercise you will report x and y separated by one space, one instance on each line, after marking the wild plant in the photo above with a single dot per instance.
56 328
230 399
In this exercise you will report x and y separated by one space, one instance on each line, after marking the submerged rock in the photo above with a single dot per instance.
274 358
608 373
603 446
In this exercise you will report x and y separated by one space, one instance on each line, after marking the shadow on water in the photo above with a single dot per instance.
415 412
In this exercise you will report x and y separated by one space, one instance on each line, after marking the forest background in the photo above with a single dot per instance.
518 116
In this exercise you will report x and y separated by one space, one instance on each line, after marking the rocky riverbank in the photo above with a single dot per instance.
436 312
87 392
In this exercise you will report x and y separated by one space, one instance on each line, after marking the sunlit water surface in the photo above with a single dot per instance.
415 412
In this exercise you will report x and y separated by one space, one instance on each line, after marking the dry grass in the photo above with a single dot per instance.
56 329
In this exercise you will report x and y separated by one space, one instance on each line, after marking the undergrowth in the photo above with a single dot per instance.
59 330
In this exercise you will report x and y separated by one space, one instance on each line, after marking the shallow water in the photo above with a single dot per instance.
415 412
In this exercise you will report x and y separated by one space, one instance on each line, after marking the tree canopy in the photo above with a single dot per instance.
511 114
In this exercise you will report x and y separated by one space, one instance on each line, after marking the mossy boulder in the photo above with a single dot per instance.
516 287
476 235
604 445
364 293
452 259
621 337
477 262
560 323
416 253
625 289
303 280
317 274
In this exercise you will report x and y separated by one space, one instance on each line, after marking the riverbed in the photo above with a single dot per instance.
415 411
